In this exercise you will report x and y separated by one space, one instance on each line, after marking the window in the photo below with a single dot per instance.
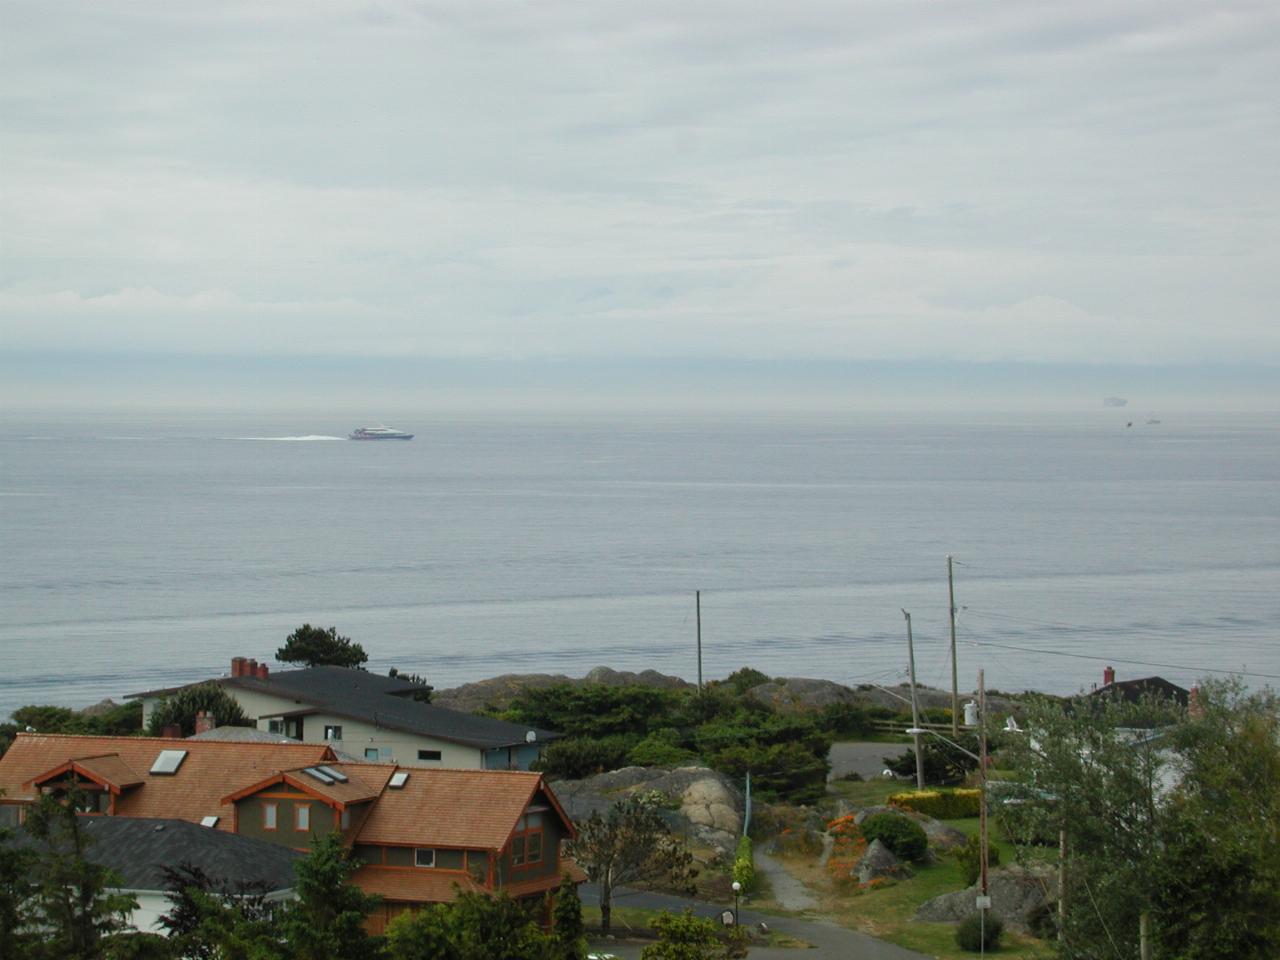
526 848
275 726
424 858
533 848
302 817
269 815
333 731
429 755
371 753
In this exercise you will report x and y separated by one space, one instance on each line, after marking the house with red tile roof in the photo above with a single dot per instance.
420 834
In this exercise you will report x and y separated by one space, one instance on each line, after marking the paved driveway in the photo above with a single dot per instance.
864 759
831 941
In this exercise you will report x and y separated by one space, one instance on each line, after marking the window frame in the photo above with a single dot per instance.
417 857
270 816
301 812
437 756
333 731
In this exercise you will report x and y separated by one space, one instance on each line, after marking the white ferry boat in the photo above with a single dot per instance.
379 433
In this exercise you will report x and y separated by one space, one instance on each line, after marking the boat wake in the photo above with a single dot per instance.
306 439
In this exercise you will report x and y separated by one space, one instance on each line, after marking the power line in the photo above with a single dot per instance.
1111 659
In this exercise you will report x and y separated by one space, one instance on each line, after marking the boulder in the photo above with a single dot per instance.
701 804
941 835
879 861
800 694
1018 896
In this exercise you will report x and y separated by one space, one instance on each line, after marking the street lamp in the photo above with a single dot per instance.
737 896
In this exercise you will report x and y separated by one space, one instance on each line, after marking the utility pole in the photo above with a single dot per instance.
985 899
697 599
955 683
915 707
982 772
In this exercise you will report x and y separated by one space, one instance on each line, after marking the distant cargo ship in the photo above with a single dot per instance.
379 433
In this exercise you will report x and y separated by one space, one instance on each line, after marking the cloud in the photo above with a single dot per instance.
962 181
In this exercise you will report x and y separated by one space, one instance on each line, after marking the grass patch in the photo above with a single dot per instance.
886 912
865 793
637 923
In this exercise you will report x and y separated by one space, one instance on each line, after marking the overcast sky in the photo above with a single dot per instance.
1093 184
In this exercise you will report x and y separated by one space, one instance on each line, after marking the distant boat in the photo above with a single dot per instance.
379 433
1114 402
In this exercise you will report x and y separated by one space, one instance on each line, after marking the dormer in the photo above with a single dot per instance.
99 780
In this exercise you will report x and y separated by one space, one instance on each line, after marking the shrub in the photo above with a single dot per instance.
904 837
940 804
180 709
661 749
744 679
848 846
744 868
577 757
969 857
943 762
970 933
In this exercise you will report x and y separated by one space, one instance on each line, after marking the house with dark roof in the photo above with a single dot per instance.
1142 688
370 717
420 833
138 849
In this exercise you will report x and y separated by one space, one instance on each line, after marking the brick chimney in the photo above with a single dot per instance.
262 671
238 665
205 721
1108 675
251 668
1195 709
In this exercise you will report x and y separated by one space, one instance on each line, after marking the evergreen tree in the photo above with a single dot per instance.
317 647
16 866
75 906
327 920
569 932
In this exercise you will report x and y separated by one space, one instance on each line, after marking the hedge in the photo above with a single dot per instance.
940 804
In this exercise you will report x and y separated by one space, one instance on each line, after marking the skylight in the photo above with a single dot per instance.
398 779
208 821
336 774
168 762
318 774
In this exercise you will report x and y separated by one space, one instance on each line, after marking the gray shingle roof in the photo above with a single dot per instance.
137 848
382 701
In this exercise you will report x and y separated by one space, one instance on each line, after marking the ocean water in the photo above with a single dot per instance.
141 553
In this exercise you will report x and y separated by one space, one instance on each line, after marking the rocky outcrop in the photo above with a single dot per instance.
498 692
806 695
700 803
1019 896
801 694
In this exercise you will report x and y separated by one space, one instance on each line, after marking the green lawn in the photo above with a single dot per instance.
866 793
887 911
